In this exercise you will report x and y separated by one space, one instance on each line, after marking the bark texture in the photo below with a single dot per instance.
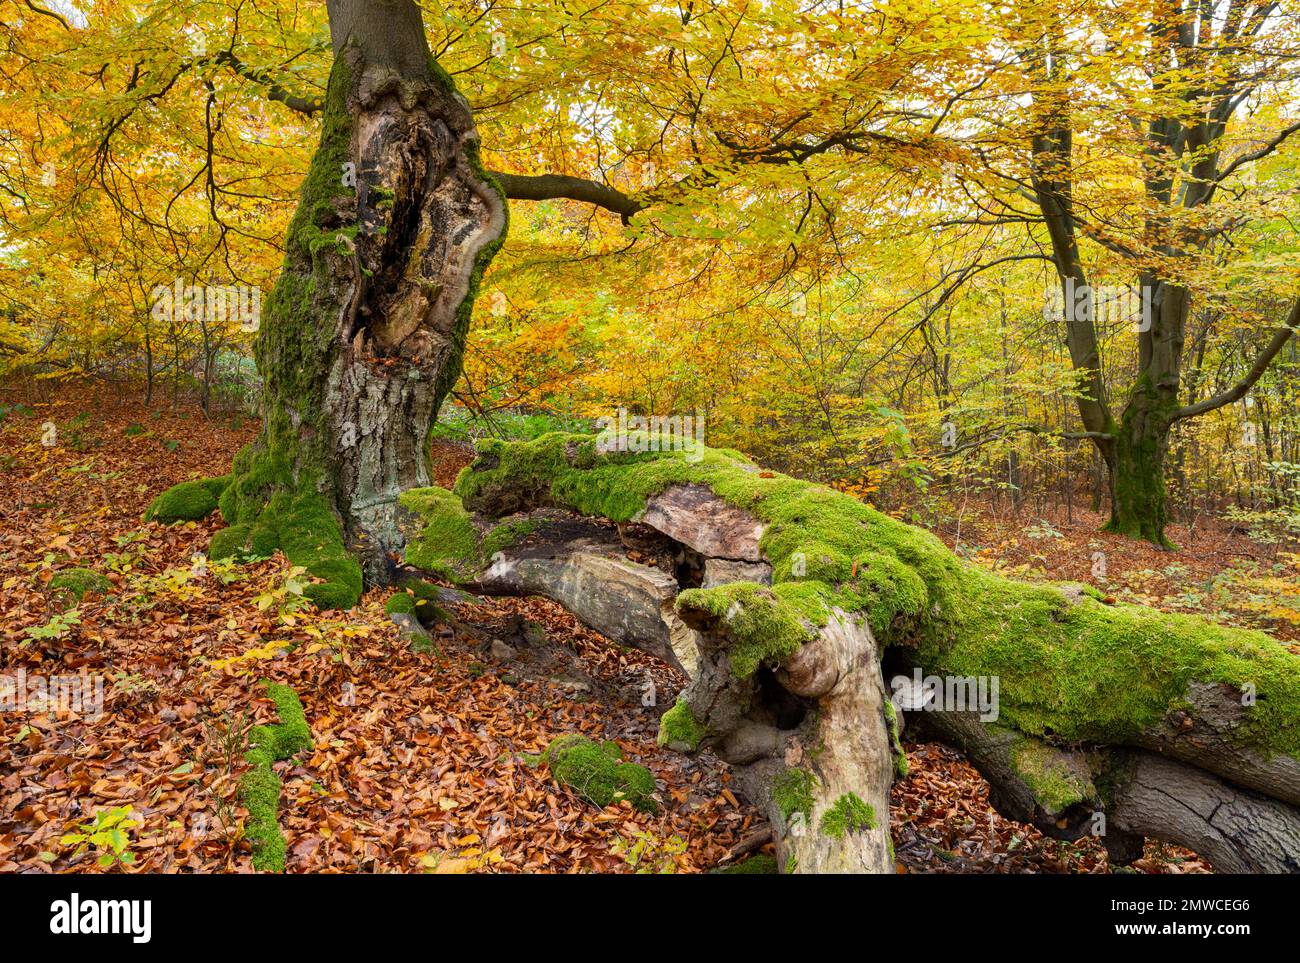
364 331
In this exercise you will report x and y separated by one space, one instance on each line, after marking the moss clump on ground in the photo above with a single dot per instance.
187 502
1070 671
792 791
425 602
591 771
1055 784
259 789
762 864
400 604
77 583
679 727
848 814
308 532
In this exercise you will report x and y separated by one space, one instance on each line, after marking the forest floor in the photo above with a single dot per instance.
421 761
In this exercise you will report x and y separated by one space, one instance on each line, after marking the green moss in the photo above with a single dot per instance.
592 772
679 727
229 543
1138 506
259 791
1089 672
895 744
1056 785
400 604
764 627
259 788
425 598
310 536
189 501
505 535
77 583
848 814
761 864
448 543
1068 672
792 791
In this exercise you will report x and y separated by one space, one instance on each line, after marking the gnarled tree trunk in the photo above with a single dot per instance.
365 328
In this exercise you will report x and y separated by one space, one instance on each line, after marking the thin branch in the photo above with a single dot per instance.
1262 361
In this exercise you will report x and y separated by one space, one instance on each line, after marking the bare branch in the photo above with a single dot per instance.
1262 361
545 187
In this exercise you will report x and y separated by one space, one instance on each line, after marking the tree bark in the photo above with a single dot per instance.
364 331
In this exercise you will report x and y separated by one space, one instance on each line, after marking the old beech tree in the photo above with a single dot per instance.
790 607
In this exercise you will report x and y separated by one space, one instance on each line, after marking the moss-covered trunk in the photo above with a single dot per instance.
1136 461
363 333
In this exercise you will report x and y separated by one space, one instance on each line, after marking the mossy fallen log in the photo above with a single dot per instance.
787 676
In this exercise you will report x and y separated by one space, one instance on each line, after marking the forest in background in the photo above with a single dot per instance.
839 262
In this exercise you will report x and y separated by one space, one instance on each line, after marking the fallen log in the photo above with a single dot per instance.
784 602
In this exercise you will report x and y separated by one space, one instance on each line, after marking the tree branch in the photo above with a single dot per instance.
1261 153
545 187
1262 361
303 105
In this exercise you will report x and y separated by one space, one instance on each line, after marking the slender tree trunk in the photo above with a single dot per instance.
365 328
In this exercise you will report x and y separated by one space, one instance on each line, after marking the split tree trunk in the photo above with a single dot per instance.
365 329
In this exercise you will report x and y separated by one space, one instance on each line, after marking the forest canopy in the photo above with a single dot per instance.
837 246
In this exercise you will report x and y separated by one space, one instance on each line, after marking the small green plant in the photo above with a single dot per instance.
1044 529
59 625
131 687
646 853
134 429
18 410
171 445
174 583
108 835
224 739
287 597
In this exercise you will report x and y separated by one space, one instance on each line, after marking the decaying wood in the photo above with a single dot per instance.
825 708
